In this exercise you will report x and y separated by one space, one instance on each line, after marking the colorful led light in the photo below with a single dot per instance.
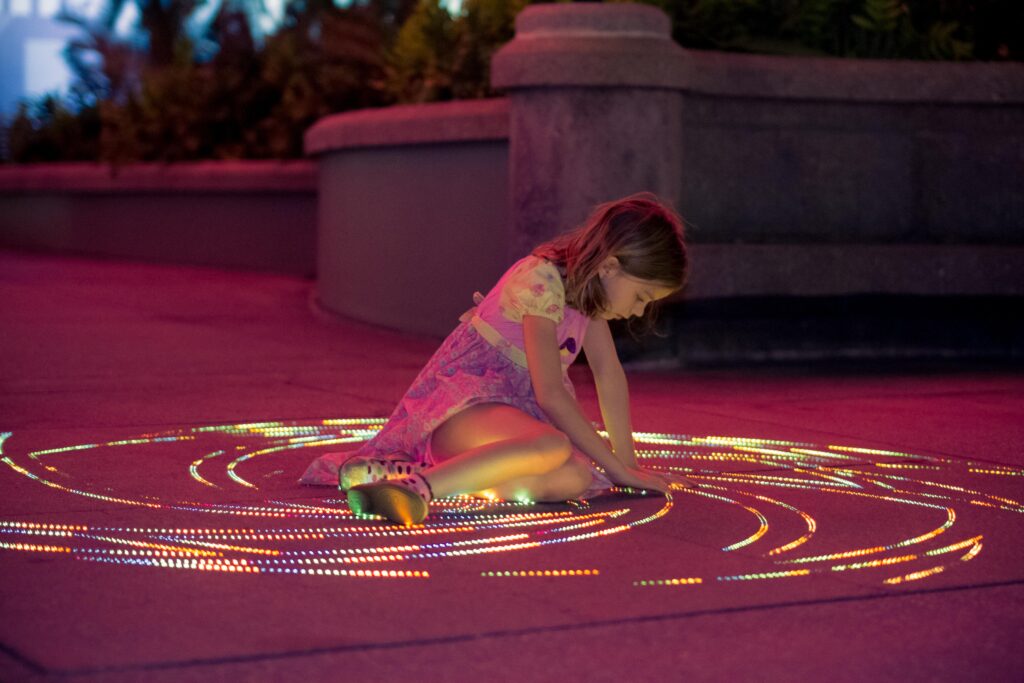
324 538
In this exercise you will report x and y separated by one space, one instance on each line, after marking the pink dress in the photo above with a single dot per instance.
482 361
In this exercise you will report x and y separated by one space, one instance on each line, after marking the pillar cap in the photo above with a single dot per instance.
589 44
585 18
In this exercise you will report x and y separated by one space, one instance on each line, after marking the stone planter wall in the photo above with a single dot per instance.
413 211
255 215
798 177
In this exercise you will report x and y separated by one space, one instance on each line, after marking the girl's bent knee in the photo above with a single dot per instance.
570 481
579 478
555 447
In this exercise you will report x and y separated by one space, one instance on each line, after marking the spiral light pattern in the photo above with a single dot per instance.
231 524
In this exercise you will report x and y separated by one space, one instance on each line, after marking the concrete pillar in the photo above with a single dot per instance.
595 112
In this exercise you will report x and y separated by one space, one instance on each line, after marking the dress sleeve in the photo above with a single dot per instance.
534 288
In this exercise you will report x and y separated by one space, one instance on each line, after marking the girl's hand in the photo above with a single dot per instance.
639 478
678 480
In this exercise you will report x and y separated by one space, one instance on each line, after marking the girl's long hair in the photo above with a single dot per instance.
640 230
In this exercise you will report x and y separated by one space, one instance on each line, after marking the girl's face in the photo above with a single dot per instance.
627 296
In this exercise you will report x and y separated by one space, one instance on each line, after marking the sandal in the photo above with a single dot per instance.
405 500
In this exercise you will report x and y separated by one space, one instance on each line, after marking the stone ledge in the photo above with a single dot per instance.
596 45
734 270
854 80
868 331
410 124
203 176
593 61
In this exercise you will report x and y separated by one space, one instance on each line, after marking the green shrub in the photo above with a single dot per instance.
900 29
46 130
438 57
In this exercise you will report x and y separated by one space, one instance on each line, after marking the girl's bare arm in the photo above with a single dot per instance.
541 342
612 389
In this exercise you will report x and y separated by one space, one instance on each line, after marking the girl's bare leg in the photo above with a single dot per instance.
568 481
499 448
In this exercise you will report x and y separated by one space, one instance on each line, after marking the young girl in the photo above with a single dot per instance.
494 413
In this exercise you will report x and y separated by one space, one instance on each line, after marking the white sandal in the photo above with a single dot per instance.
405 500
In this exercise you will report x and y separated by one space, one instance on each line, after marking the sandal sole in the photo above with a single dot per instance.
394 502
359 502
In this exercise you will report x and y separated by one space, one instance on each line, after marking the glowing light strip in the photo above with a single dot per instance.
762 520
821 454
974 543
914 576
950 518
769 480
905 466
970 555
39 525
682 581
226 546
110 444
952 487
765 575
32 547
193 469
182 548
808 521
1006 473
872 451
579 537
970 542
112 499
153 546
516 573
199 565
869 564
829 477
772 454
742 441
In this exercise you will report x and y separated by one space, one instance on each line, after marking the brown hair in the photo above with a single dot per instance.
640 230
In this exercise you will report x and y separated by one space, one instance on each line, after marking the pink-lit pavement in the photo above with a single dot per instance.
154 420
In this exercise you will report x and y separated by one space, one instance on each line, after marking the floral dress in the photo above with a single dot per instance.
482 361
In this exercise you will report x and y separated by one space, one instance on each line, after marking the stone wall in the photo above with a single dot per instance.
255 215
798 177
413 213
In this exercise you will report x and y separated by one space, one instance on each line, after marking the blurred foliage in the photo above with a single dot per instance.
248 101
46 130
990 30
165 99
438 57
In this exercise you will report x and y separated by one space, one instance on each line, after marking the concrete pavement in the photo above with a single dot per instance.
850 523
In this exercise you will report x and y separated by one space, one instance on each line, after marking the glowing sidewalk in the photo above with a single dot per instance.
153 421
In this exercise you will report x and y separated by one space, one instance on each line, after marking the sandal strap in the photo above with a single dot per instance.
416 483
382 467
